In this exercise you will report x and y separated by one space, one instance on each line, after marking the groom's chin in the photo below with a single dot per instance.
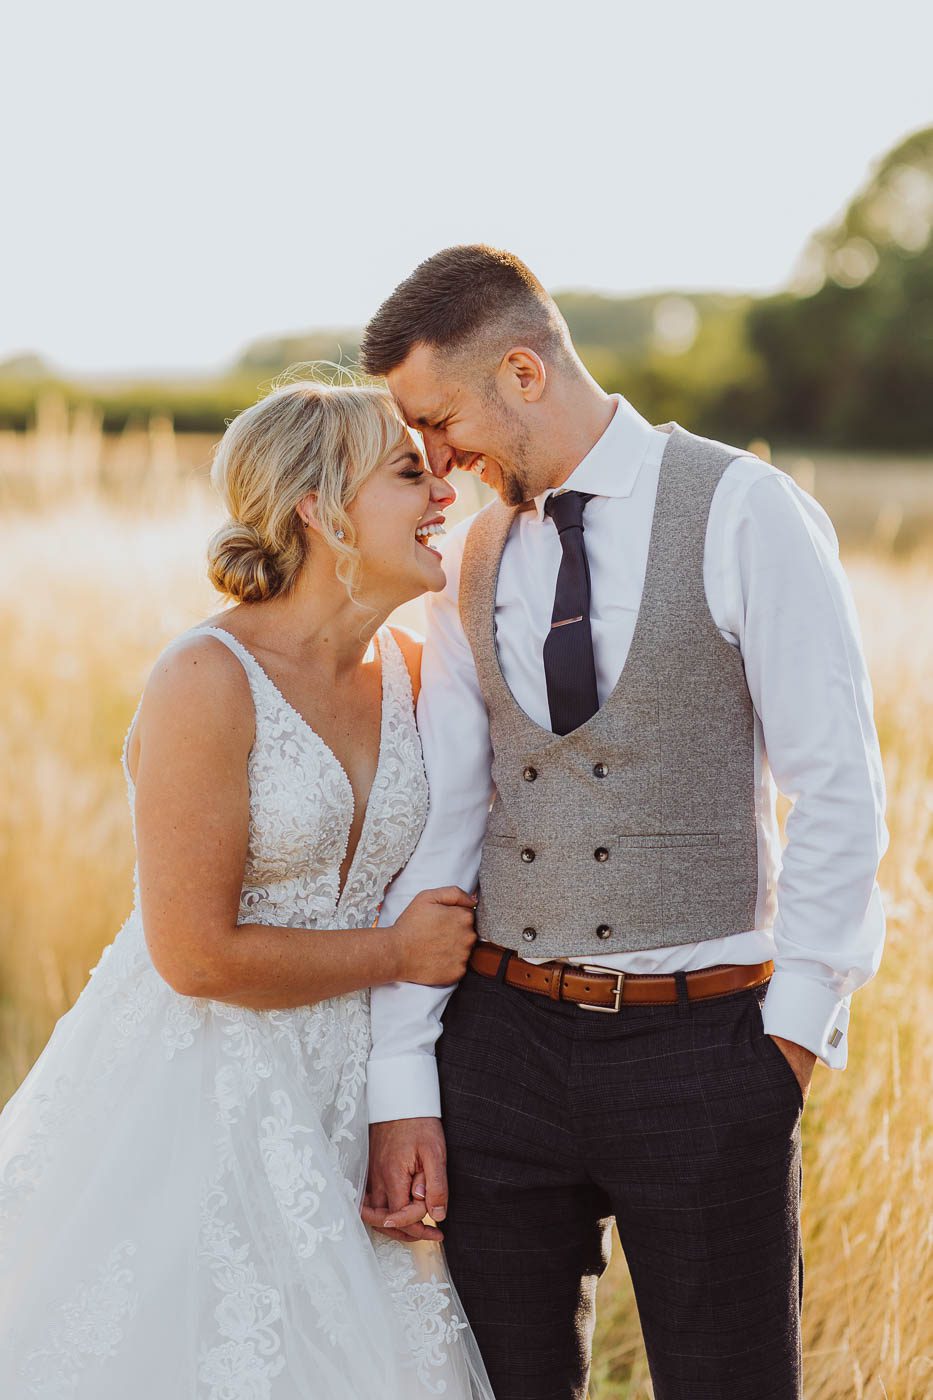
499 481
512 492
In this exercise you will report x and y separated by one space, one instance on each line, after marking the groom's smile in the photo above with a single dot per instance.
446 415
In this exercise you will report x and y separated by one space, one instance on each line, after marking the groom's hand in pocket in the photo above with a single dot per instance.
407 1178
801 1061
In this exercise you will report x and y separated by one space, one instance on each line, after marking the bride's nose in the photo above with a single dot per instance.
443 492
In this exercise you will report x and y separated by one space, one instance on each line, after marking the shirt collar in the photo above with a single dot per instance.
611 466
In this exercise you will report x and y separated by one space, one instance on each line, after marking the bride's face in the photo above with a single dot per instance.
393 513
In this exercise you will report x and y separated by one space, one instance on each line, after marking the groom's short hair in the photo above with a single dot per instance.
468 300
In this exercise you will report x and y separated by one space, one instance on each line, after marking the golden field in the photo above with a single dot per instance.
93 582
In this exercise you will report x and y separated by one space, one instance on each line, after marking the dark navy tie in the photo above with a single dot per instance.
569 668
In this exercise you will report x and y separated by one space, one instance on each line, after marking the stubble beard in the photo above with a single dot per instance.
517 478
514 490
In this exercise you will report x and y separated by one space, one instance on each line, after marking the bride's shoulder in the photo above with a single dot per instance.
197 672
196 707
199 655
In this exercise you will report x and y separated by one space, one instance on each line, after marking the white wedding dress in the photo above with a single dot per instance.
180 1179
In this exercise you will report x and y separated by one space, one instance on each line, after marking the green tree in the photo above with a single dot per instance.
849 354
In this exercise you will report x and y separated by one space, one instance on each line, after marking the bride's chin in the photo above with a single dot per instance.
434 576
413 582
431 572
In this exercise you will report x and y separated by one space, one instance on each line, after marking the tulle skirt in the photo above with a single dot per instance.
179 1211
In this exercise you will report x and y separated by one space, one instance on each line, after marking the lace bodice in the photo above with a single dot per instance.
301 805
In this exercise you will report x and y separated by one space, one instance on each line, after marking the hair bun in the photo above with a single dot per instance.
239 565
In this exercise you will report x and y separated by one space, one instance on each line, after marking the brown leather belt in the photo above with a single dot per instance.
598 989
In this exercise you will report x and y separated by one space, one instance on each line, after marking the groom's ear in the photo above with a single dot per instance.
522 375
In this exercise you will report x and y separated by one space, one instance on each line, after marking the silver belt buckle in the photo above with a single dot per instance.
617 995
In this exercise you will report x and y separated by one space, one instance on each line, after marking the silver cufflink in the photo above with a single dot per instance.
836 1037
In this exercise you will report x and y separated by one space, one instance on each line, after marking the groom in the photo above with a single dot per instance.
637 641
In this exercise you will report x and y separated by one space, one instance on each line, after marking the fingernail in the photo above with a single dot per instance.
389 1225
419 1195
438 1214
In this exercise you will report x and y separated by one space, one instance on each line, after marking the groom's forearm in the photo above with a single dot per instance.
454 728
795 622
402 1072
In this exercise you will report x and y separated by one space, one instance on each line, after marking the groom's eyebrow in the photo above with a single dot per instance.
429 420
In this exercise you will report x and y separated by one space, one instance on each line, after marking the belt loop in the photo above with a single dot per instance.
683 996
503 967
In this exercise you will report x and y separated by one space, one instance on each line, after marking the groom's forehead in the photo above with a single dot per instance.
420 390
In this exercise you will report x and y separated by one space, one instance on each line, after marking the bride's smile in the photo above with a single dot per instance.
398 517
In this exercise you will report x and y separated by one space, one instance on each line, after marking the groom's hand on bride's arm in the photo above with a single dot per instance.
407 1178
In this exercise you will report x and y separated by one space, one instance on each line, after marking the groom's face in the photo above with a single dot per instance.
462 423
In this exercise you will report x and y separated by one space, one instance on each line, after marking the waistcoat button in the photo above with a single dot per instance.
601 854
604 931
530 774
528 855
529 934
600 770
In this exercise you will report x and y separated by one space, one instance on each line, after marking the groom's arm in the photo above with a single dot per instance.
407 1148
790 610
452 719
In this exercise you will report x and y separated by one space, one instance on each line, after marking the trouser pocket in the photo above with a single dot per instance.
771 1053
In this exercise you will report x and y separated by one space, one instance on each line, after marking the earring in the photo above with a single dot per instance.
338 534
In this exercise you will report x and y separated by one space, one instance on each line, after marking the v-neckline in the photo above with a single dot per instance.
383 718
549 734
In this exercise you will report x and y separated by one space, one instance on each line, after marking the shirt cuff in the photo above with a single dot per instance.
403 1086
808 1013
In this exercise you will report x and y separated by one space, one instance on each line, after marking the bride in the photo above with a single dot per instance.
182 1171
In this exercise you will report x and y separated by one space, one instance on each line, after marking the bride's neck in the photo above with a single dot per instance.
319 620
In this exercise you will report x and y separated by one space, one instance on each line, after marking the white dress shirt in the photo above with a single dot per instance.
776 590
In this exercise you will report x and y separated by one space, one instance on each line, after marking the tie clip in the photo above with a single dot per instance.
566 622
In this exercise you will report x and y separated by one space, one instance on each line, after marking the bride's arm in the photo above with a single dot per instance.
195 730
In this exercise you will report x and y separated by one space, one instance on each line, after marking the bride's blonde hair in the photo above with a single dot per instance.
303 437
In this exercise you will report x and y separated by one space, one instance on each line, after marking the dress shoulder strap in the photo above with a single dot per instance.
258 679
125 751
410 647
397 680
245 657
248 662
254 675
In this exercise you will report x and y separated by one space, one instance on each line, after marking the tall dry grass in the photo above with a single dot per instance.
90 589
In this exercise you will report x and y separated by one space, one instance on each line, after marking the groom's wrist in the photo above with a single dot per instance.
402 1086
802 1010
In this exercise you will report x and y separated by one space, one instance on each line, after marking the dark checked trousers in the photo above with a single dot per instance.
682 1122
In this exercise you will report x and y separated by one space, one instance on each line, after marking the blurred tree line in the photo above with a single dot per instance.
843 357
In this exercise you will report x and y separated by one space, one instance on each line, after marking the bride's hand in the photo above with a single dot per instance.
407 1179
434 936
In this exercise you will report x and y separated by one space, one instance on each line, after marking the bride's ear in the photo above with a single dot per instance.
307 511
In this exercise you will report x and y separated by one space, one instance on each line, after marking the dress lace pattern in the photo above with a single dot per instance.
183 1176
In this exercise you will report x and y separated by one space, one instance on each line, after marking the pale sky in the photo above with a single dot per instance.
184 176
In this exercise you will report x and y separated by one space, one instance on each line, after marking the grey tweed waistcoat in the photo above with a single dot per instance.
638 829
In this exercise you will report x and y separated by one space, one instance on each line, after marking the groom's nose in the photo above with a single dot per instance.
439 453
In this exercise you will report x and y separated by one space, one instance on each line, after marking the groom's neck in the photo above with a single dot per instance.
581 413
